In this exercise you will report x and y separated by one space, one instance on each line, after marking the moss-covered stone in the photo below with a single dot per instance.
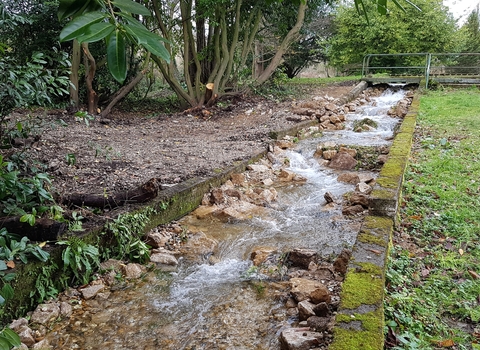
371 239
369 337
362 286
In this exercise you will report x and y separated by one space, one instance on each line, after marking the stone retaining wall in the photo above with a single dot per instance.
360 318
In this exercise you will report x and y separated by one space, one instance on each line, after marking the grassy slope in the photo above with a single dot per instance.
433 285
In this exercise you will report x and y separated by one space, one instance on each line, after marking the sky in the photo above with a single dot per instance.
461 8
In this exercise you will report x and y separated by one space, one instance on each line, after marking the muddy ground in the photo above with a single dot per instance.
104 156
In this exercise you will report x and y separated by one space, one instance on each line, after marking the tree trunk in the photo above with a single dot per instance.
124 91
76 55
90 75
44 229
287 41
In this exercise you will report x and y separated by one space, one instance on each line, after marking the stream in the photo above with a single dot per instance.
229 305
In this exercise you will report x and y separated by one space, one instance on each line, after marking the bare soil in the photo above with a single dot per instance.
126 150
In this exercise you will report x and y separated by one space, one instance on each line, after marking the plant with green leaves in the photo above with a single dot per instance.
127 231
80 258
13 247
114 22
9 339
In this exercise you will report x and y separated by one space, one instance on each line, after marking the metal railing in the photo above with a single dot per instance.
440 67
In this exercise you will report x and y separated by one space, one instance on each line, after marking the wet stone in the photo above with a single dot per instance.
302 257
319 324
45 313
299 339
91 291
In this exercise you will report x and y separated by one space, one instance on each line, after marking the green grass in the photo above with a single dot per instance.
432 298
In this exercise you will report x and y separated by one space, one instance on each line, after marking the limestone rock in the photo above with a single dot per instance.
164 259
299 339
42 345
353 210
341 263
133 271
284 144
319 324
65 309
17 325
359 198
203 212
238 179
343 161
321 309
91 291
26 336
302 257
156 239
349 178
329 154
260 255
363 188
198 246
351 151
259 168
303 289
305 310
45 313
111 264
329 198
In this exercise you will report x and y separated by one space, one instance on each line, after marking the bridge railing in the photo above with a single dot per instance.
440 67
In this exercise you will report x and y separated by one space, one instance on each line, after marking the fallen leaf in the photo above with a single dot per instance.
42 244
11 264
445 343
425 272
416 217
378 252
474 275
460 251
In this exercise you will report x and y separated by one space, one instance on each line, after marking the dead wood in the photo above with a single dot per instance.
44 229
144 193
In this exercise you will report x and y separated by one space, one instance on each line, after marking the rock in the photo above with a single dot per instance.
331 107
320 295
203 212
21 347
367 178
321 309
217 196
285 175
342 161
111 264
17 325
363 188
299 339
164 259
260 255
156 239
334 119
329 154
319 324
133 271
341 262
284 144
302 289
42 345
351 151
268 195
290 303
352 210
45 313
109 278
267 182
198 246
359 198
258 168
329 198
382 159
302 257
234 193
349 178
26 336
91 291
238 179
65 309
305 310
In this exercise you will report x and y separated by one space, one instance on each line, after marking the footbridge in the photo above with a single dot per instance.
425 69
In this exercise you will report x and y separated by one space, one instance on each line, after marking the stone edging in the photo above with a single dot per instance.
360 318
170 204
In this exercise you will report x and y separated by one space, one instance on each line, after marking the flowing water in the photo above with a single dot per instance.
203 306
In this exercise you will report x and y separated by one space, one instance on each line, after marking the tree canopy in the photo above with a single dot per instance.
430 29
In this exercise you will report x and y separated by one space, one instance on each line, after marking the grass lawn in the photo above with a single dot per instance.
433 275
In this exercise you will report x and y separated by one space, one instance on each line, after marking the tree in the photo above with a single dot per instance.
409 30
